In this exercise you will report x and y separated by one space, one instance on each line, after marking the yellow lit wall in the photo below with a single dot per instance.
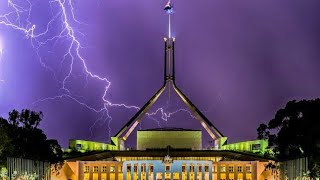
85 146
256 146
175 139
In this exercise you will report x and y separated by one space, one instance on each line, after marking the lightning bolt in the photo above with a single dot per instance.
62 11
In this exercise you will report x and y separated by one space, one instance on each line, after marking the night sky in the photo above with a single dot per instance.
238 61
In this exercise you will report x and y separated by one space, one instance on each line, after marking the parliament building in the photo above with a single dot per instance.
167 153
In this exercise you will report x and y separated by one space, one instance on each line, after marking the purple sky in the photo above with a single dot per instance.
238 61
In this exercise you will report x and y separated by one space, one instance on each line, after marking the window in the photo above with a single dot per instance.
231 168
248 177
214 168
239 168
167 167
128 168
240 176
86 168
78 147
200 168
191 168
135 168
231 176
255 147
151 169
95 176
120 168
95 168
248 168
112 168
143 168
206 168
86 176
222 168
183 168
104 168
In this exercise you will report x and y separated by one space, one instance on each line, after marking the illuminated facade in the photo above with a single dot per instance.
173 137
256 146
180 164
167 153
157 159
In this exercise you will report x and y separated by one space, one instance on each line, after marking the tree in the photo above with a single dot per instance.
23 139
294 133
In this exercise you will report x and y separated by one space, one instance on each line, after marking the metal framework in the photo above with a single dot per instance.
169 79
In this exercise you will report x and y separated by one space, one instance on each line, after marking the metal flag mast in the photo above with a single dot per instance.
169 78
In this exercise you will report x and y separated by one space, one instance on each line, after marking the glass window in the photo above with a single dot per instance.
95 176
214 168
104 168
78 147
183 168
167 167
248 168
143 168
255 147
200 168
112 168
135 168
240 169
222 168
86 176
95 168
86 168
231 168
248 177
206 168
128 168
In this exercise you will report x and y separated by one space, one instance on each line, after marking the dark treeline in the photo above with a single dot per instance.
20 137
294 133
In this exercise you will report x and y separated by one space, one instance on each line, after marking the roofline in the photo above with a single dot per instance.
236 155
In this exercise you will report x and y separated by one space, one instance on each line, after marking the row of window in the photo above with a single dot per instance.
233 177
213 159
223 168
103 168
231 168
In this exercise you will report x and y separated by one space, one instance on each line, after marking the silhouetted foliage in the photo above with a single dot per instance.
20 137
294 132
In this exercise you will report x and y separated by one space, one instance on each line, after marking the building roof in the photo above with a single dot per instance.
169 129
235 155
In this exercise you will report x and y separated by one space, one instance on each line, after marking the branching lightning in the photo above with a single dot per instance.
18 19
1 53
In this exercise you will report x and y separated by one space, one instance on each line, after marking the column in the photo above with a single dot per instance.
203 172
195 170
171 171
244 170
79 175
236 171
210 171
124 167
227 171
147 171
188 170
99 170
180 172
108 170
132 171
254 170
139 171
218 171
90 171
